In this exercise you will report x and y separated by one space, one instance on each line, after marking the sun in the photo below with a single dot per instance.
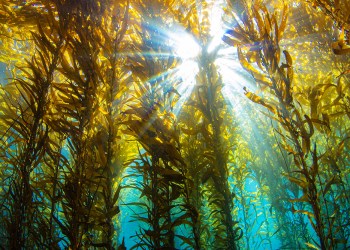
186 46
187 50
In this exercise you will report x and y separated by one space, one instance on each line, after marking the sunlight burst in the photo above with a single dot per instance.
186 73
216 25
187 49
185 45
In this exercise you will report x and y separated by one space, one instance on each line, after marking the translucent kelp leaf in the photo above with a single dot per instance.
310 245
300 182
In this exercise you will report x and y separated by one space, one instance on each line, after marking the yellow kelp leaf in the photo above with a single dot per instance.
312 245
309 214
245 64
288 57
260 77
102 110
259 20
253 97
257 99
341 146
303 198
283 22
263 79
288 148
340 47
231 40
301 183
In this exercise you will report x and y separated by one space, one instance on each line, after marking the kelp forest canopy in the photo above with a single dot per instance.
173 124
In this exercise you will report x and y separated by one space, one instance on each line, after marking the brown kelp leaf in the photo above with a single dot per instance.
334 180
207 174
289 67
234 37
114 211
122 246
305 145
303 198
301 183
138 204
341 146
186 240
171 174
314 170
340 47
283 24
238 232
289 60
310 125
340 50
189 131
116 195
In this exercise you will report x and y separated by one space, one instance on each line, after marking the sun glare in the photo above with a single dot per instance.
216 25
187 50
185 46
233 77
186 74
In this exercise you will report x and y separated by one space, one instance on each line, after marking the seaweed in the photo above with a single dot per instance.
296 131
114 137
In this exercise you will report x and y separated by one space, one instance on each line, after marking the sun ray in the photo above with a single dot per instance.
216 25
184 44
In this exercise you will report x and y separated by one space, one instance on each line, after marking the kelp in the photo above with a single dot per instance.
94 111
206 98
151 121
109 144
26 132
339 12
260 28
59 99
194 150
209 104
90 87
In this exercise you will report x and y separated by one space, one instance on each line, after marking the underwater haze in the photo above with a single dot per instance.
175 124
